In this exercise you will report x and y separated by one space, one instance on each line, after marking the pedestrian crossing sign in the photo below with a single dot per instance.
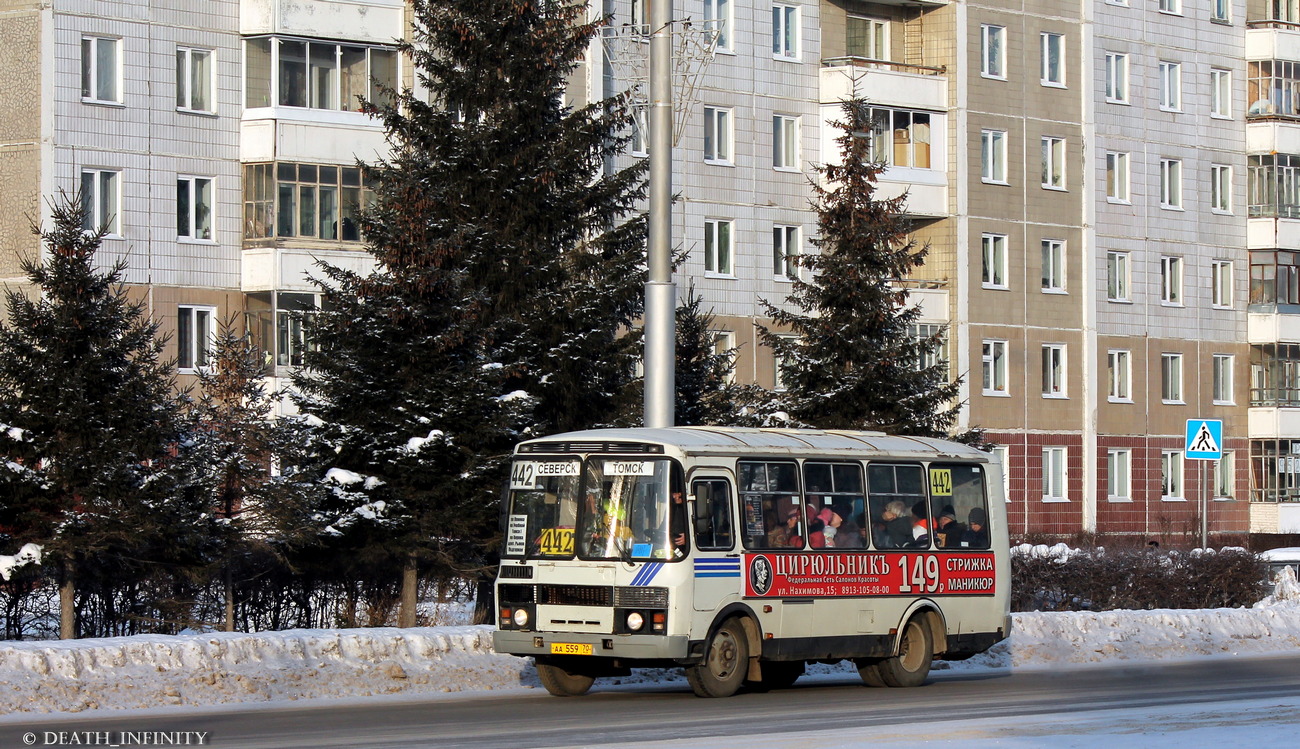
1204 439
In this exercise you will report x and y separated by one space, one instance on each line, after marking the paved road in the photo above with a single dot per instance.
655 713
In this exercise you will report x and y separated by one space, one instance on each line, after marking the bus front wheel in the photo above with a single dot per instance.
725 663
563 683
912 664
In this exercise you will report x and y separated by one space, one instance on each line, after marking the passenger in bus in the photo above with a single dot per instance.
920 527
948 531
847 533
816 533
781 535
894 530
977 534
677 525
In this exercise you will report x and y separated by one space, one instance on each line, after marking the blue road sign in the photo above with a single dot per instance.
1204 439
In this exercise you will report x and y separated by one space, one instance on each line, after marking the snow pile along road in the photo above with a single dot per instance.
206 669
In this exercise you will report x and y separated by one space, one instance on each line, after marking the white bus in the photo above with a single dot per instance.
741 555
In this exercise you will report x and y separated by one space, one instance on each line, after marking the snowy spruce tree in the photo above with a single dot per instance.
90 426
705 394
847 356
508 262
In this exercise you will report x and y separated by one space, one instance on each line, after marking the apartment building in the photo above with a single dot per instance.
1107 188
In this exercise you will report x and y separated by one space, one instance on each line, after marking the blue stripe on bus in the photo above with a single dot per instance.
717 564
717 574
647 574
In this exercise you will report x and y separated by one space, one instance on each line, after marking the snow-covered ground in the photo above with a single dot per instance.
208 669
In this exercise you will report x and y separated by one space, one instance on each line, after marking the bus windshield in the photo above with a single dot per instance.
543 508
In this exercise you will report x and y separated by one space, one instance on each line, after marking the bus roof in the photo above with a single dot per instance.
730 440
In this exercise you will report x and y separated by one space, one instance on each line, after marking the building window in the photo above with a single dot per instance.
1052 59
276 321
101 69
194 71
194 337
1171 378
717 135
717 247
641 132
194 208
934 355
1053 163
1220 188
1117 276
1171 280
782 363
785 31
1222 365
303 200
1275 377
1220 93
1273 185
995 261
1171 86
1171 475
993 156
1054 474
1221 284
1171 6
1224 481
900 137
1171 184
724 345
1119 469
717 14
995 368
867 37
785 142
785 247
314 74
1053 265
1274 277
1053 370
1116 78
993 53
1221 10
638 14
1119 374
1117 177
101 201
1271 87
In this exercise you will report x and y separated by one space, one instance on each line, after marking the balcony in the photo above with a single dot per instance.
377 21
884 83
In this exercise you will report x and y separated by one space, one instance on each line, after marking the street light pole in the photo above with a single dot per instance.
660 292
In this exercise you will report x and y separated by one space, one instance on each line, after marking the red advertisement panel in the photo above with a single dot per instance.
869 574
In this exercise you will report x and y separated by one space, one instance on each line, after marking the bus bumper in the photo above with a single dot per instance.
648 647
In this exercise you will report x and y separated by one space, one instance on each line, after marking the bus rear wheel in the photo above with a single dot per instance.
912 664
563 683
778 675
725 663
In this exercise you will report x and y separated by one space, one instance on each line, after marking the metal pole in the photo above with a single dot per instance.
660 292
1205 510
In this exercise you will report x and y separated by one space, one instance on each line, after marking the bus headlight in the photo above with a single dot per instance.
521 617
635 621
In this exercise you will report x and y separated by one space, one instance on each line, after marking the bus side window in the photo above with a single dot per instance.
713 525
959 506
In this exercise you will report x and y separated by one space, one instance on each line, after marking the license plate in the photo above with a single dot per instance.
570 648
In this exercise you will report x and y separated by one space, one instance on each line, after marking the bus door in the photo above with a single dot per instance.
716 561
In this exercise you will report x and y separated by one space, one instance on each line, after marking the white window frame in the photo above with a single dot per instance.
200 226
1224 482
718 16
1055 474
1053 163
1047 76
1221 11
719 136
1171 476
637 14
1054 369
777 383
785 142
93 83
1053 269
1171 281
994 367
1003 454
1221 379
186 80
195 354
1119 475
994 261
1117 77
1118 184
1221 284
1220 93
787 243
1171 184
724 341
1171 86
640 144
1118 277
1172 7
993 157
878 31
102 209
1221 189
993 52
1171 378
719 247
785 31
1119 376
